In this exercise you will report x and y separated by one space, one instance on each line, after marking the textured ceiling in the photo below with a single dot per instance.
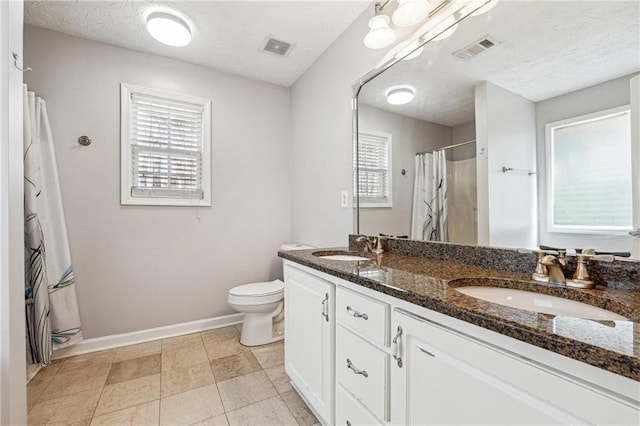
547 48
227 35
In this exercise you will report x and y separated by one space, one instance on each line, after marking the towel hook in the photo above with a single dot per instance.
15 63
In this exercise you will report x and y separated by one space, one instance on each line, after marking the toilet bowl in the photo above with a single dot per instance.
263 307
261 303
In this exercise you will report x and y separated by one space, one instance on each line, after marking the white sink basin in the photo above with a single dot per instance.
542 303
345 257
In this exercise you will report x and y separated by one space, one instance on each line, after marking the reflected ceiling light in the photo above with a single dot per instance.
380 34
414 47
410 12
400 95
169 29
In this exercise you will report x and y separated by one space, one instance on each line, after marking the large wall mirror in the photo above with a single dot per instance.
515 128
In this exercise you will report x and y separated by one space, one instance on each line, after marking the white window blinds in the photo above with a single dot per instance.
590 173
374 168
167 138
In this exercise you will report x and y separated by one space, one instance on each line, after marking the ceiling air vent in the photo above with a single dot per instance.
476 48
276 46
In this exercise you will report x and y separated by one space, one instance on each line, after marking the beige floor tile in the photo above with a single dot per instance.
244 390
234 365
180 357
185 379
89 360
269 355
239 327
143 414
190 407
220 420
133 369
225 347
76 380
181 341
137 351
37 385
272 411
299 409
220 333
128 394
279 378
85 422
65 410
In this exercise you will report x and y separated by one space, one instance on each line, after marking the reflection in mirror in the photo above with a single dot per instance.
508 139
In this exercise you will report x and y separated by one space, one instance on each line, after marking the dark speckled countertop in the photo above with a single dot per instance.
610 345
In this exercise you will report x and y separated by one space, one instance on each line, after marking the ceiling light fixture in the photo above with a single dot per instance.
380 35
400 95
169 29
412 12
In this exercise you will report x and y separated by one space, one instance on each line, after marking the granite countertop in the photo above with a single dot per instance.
610 345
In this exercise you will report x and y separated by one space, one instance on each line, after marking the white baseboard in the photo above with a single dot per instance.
141 336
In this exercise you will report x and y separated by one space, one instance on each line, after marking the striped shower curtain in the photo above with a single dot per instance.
429 214
51 305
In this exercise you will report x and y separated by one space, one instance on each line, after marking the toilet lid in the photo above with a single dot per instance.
258 289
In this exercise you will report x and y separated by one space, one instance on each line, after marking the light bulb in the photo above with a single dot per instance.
379 35
168 29
410 12
400 95
449 24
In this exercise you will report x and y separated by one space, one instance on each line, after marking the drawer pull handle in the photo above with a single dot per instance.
325 307
348 423
355 370
396 349
356 314
426 352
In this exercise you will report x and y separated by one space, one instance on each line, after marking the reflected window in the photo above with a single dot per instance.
589 173
374 168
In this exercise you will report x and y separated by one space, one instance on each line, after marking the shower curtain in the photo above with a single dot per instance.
429 214
51 305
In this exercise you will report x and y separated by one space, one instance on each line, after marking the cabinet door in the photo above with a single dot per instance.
308 342
438 385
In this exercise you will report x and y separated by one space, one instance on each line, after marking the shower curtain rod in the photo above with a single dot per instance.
448 147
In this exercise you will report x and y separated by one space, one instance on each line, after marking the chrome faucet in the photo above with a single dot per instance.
554 269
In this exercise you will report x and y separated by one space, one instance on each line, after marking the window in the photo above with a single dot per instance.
165 148
373 168
589 173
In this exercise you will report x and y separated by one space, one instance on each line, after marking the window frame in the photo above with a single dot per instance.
549 175
126 178
389 143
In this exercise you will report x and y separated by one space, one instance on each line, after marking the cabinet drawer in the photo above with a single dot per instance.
364 315
349 412
363 370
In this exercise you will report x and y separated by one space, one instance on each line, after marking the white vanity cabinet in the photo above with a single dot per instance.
399 363
309 338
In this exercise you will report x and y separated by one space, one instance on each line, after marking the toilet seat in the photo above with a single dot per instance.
257 293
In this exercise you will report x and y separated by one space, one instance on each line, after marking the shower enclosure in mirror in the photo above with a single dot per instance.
514 128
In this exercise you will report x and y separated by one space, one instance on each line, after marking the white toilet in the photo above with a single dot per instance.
263 307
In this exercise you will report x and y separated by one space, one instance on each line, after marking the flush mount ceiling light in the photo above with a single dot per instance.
169 29
400 95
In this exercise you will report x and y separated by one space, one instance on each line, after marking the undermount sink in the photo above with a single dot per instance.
339 255
542 303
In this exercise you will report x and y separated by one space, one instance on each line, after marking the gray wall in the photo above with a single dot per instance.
507 207
409 136
139 267
321 152
600 97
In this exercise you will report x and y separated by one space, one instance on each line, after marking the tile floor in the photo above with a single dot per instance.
205 378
